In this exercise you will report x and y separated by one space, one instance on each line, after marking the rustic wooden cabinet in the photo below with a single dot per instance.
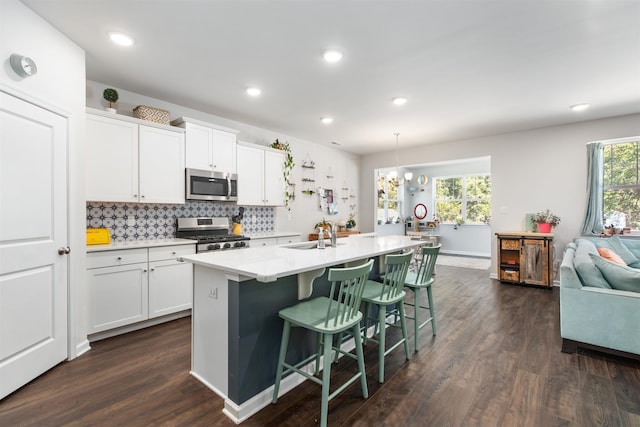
525 258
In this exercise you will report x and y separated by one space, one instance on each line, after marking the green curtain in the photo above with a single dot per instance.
593 218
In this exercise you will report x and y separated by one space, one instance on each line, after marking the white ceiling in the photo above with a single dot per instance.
468 68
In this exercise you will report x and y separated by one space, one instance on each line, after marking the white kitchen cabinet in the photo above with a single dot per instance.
289 239
170 281
133 285
118 291
131 161
260 179
208 147
263 241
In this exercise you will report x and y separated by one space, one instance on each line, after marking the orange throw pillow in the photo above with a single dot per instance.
611 256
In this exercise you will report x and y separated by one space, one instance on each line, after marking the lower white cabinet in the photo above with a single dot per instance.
289 239
132 285
272 241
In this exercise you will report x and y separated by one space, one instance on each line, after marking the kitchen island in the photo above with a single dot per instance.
237 294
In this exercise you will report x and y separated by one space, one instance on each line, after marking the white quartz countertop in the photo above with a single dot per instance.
136 244
267 264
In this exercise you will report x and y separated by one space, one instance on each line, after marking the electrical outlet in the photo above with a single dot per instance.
131 221
213 293
253 219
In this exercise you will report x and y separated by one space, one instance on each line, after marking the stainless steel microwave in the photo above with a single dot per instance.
211 185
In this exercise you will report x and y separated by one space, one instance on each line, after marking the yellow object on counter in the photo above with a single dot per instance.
237 228
98 236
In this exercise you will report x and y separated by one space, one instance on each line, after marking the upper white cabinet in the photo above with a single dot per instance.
133 161
208 147
260 179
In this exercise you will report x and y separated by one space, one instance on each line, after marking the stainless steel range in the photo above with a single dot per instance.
212 234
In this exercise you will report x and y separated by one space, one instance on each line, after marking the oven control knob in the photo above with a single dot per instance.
214 247
227 245
238 244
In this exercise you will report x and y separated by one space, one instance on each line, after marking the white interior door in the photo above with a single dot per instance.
33 227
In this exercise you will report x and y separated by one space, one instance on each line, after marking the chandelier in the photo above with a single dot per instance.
393 175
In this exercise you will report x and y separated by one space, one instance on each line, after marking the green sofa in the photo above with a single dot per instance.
599 300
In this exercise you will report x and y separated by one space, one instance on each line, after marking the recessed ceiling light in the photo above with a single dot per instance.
327 120
253 91
332 55
121 39
579 107
400 100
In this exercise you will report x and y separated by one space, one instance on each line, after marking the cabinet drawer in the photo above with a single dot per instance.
170 252
510 275
115 258
510 244
270 241
289 239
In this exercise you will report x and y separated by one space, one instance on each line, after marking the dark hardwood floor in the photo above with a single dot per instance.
496 361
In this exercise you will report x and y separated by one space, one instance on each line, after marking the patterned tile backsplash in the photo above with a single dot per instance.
138 221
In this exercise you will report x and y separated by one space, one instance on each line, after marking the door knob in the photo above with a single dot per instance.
64 250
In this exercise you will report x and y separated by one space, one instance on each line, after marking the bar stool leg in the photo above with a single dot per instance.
403 325
381 343
326 377
286 330
360 354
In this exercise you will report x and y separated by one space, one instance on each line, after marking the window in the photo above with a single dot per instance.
388 199
463 199
621 184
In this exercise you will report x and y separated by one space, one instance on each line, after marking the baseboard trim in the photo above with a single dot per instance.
82 348
139 325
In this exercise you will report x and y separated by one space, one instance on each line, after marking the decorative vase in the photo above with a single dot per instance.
544 227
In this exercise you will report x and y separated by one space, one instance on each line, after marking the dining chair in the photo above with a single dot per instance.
328 316
387 294
422 279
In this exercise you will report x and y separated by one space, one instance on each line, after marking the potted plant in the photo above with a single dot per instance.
287 167
545 221
110 95
351 222
323 224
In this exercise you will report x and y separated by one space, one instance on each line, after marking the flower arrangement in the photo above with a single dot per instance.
546 217
286 170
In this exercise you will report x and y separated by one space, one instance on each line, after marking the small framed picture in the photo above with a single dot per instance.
328 195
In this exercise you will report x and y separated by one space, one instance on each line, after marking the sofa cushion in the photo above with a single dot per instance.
619 277
621 249
609 254
589 274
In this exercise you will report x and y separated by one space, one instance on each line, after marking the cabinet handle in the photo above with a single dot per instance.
153 269
142 196
144 271
119 258
64 250
173 253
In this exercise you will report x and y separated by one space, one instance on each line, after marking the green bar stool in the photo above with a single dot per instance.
328 317
388 293
422 279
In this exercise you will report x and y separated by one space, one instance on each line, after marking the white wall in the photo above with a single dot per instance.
530 171
305 212
59 84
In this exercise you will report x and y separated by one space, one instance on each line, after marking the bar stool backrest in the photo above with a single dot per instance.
397 266
429 255
347 285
